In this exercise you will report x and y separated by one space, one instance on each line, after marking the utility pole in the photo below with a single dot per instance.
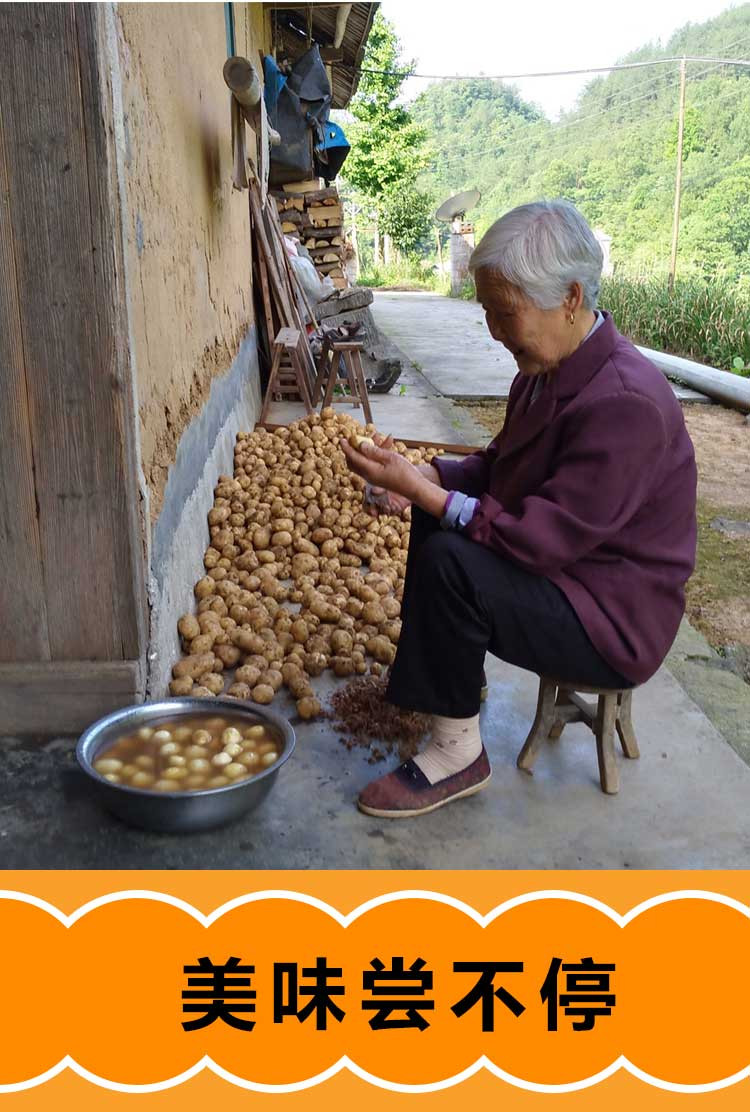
355 241
376 242
678 178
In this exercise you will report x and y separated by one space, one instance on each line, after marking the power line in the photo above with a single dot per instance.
667 177
644 96
545 73
565 125
617 105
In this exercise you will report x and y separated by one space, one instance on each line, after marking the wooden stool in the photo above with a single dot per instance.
288 374
328 370
560 703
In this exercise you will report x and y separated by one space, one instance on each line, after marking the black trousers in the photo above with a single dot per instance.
462 600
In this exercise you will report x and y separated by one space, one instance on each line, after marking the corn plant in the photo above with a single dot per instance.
708 321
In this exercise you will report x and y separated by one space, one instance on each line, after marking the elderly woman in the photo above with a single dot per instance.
562 548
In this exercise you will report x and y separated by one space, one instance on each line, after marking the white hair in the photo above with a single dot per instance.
542 248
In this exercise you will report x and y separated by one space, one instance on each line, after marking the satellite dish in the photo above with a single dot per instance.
458 205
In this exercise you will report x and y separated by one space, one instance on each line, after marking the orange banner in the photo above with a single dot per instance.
407 985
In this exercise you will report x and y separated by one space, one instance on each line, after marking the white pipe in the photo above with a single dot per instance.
244 82
723 385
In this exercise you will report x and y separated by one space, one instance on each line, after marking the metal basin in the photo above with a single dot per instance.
180 812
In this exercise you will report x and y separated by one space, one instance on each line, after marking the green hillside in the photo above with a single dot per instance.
614 156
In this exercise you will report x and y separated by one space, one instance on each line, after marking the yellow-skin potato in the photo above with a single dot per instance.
263 693
308 707
213 682
293 512
193 666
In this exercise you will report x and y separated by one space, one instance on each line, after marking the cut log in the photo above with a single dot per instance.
321 196
336 260
311 186
323 236
334 269
324 212
288 227
331 257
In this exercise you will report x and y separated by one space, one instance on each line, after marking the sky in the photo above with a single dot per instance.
496 37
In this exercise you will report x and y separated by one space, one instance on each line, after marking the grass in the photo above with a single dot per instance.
407 274
701 320
704 320
721 577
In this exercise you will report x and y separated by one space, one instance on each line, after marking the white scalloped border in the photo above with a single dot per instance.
344 920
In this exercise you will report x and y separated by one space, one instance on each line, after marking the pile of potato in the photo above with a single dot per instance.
299 578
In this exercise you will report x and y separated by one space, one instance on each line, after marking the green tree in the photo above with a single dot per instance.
560 180
693 135
388 147
614 154
405 216
718 233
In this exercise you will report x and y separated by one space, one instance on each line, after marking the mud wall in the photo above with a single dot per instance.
186 245
187 239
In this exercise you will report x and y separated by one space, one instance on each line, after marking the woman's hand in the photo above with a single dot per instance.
402 482
383 468
378 500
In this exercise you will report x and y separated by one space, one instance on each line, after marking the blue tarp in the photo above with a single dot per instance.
298 108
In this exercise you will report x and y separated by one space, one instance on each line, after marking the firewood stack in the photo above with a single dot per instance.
314 216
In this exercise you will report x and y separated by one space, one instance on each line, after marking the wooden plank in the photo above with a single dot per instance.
263 273
108 251
64 697
54 125
449 449
296 283
22 597
277 235
278 284
287 337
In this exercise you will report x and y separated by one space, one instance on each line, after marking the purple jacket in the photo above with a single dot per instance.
594 487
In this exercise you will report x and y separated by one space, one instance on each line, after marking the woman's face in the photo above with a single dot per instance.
537 338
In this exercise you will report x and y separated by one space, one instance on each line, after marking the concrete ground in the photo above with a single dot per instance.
448 340
682 805
414 409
